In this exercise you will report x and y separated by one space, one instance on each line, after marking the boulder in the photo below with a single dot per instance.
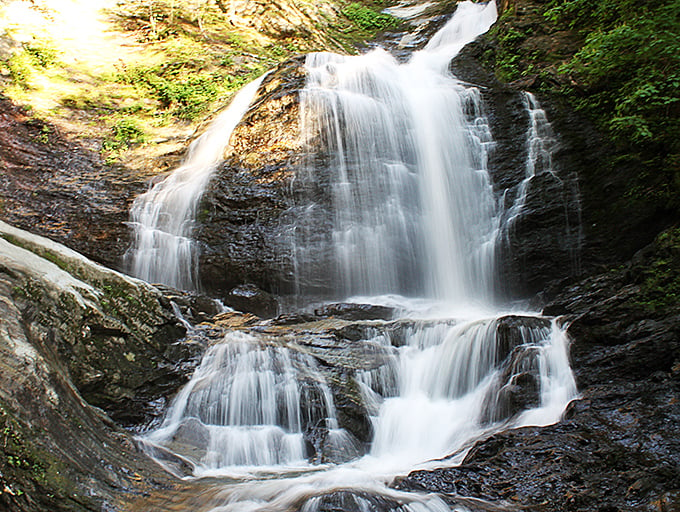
74 332
248 298
115 338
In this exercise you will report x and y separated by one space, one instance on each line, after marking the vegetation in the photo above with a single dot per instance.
190 57
629 66
368 18
617 62
660 277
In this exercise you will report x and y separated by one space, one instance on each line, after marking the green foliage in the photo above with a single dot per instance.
125 133
182 93
19 67
368 19
632 74
21 64
618 63
42 56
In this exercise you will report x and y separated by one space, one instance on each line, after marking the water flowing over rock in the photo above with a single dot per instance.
163 249
391 196
541 225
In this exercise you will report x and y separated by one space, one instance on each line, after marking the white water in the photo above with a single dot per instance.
163 218
541 145
413 211
413 208
247 405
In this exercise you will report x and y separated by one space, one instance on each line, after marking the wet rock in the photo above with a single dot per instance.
194 307
118 339
191 439
351 501
250 299
241 225
325 445
349 311
517 387
512 330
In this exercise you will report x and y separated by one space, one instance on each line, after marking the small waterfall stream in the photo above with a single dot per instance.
413 214
541 145
163 218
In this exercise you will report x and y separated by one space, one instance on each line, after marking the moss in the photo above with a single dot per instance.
26 468
659 277
369 19
125 134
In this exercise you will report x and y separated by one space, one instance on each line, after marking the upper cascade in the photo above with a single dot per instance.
413 210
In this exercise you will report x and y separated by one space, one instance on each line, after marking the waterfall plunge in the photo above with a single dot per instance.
413 210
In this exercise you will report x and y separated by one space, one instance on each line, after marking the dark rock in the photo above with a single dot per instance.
353 501
250 299
354 312
193 306
517 387
241 225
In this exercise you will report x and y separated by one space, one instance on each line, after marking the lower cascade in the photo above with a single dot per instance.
271 414
262 408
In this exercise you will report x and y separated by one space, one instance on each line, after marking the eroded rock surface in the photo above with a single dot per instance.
76 335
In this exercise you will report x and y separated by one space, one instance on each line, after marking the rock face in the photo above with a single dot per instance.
117 338
57 188
76 334
241 228
617 448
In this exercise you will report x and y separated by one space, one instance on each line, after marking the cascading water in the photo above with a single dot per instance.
541 144
248 404
412 212
163 218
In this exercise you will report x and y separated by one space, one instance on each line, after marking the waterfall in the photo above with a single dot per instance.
541 145
448 384
162 250
412 207
250 404
401 152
